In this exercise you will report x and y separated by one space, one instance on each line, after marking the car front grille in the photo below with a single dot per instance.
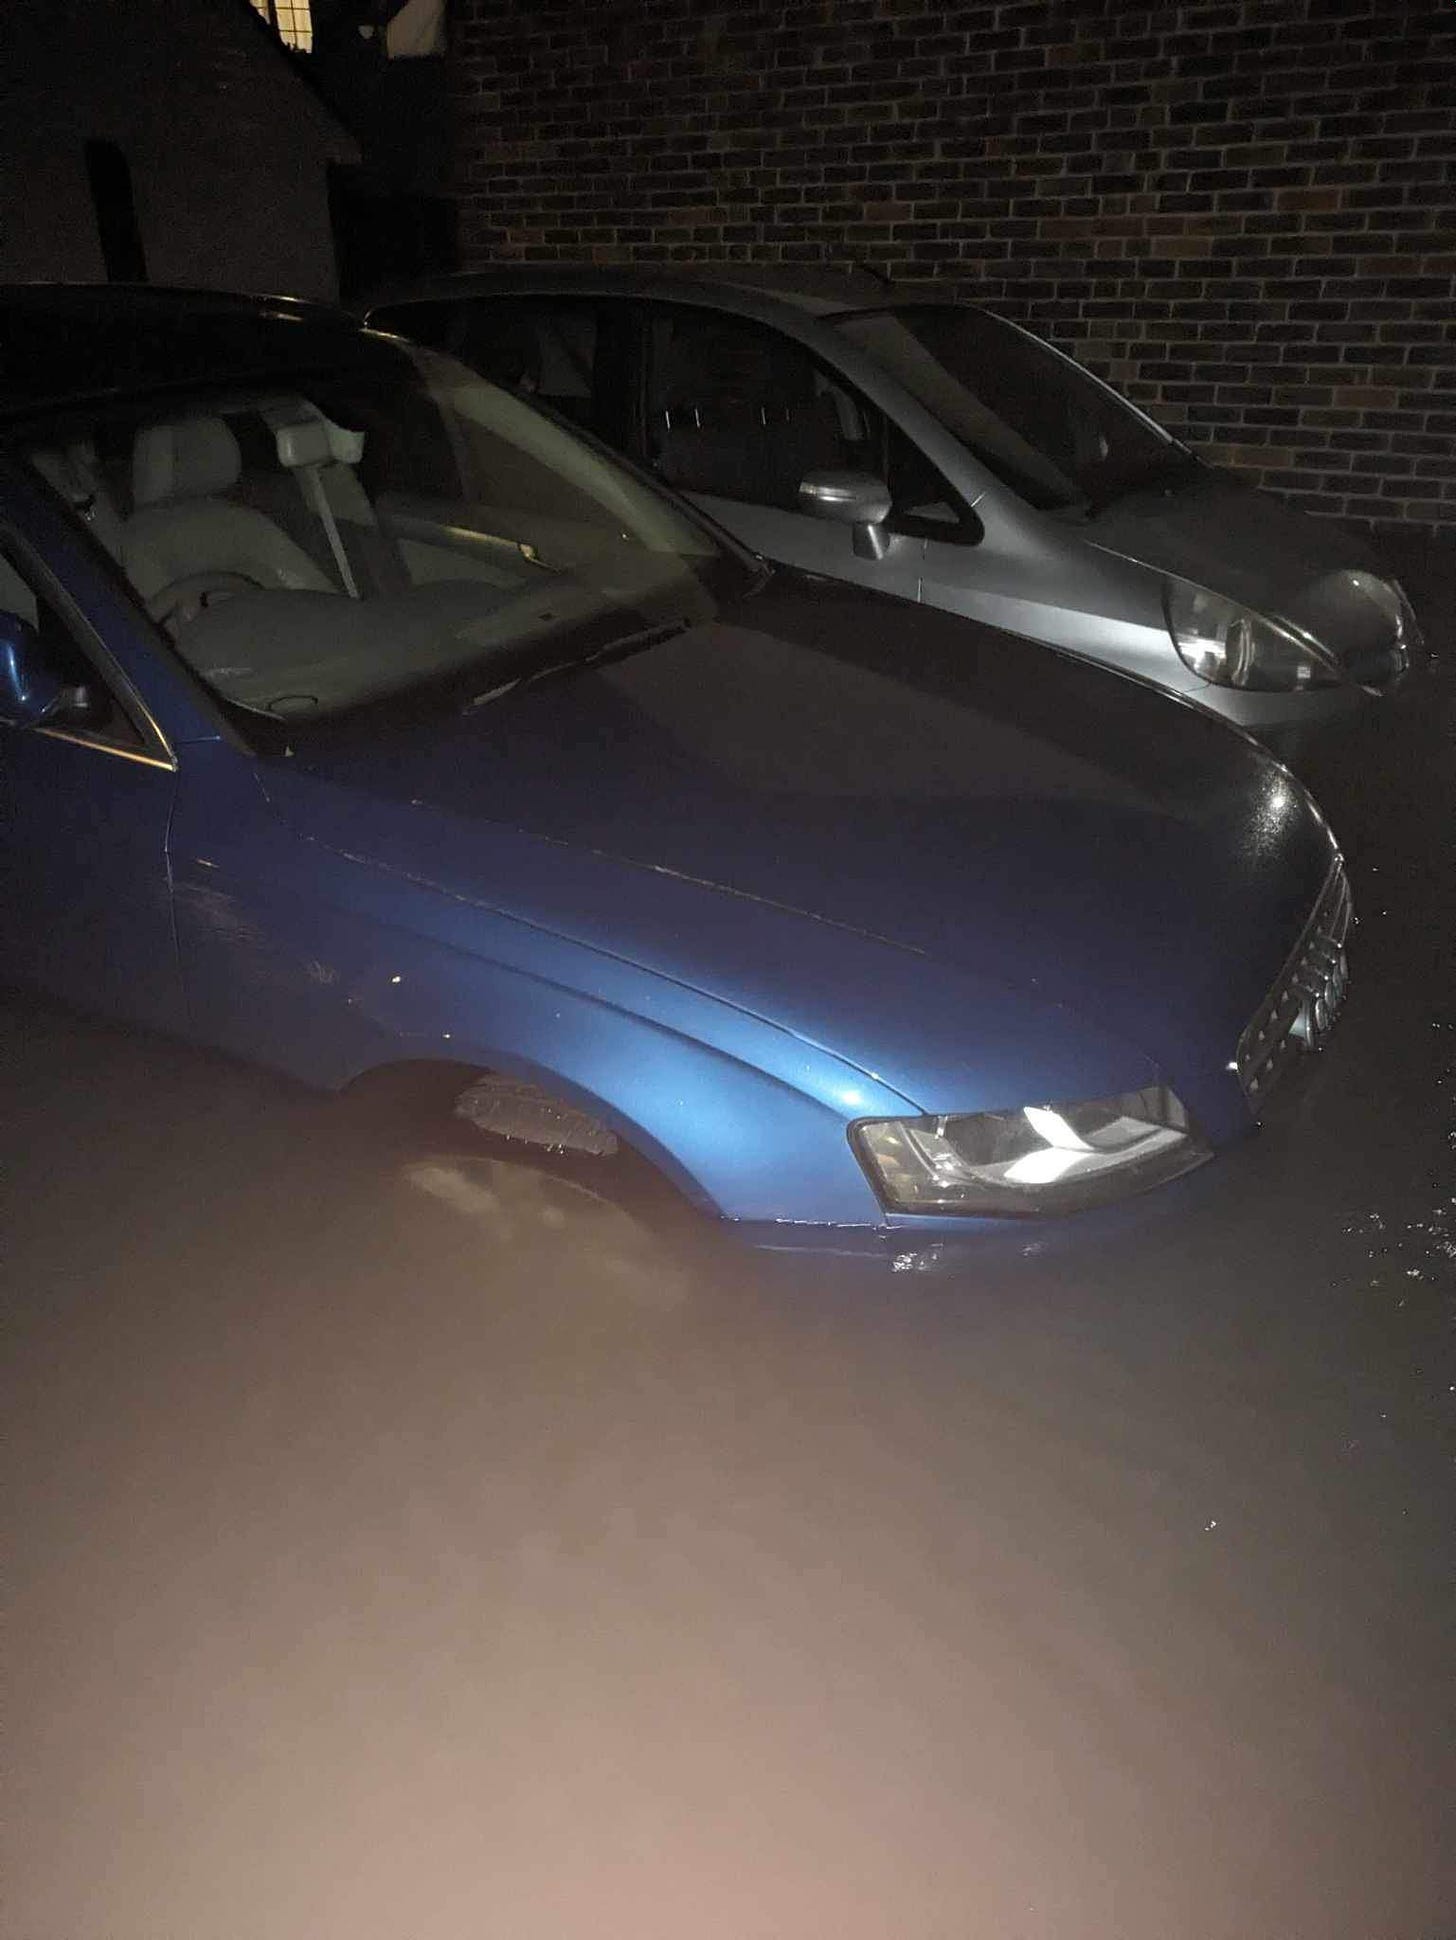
1300 1011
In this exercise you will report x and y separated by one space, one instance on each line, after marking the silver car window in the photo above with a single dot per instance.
740 412
541 347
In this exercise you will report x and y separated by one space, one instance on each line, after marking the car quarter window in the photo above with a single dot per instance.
737 410
24 590
925 506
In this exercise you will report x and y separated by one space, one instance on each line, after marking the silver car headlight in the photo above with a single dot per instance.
1226 644
1389 598
1408 627
1042 1159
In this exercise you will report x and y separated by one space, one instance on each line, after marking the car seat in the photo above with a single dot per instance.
183 526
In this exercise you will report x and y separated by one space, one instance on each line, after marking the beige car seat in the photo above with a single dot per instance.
182 525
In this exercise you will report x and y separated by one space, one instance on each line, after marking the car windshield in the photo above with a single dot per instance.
349 535
1037 421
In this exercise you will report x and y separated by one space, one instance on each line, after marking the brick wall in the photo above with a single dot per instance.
1243 212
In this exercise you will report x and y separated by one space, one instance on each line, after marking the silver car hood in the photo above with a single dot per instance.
1208 528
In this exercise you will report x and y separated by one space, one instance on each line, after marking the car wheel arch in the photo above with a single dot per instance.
425 1089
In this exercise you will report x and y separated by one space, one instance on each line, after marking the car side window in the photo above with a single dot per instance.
23 591
740 411
543 348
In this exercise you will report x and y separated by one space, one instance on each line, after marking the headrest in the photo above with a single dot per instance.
303 442
185 458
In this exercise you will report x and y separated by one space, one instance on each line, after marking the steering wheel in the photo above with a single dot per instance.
180 602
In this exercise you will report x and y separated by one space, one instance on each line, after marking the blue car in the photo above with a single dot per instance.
358 717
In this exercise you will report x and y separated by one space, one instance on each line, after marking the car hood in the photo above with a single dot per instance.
900 774
1209 528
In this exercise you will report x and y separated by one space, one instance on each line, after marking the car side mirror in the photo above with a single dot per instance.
30 689
853 498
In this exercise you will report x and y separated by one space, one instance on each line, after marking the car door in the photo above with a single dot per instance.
735 414
84 814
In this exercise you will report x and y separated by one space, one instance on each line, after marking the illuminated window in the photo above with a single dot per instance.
292 19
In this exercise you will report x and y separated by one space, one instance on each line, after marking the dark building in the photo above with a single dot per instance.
1243 212
381 65
174 141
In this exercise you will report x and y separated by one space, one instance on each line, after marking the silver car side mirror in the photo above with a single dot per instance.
853 498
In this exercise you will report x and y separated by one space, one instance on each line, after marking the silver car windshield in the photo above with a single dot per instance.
348 535
1037 421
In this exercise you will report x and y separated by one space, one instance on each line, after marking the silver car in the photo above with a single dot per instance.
936 451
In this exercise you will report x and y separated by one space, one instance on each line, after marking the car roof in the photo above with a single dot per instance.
762 290
69 343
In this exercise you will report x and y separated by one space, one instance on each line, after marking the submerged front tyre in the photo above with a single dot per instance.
554 1229
551 1193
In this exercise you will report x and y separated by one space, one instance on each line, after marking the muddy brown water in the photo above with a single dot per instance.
381 1569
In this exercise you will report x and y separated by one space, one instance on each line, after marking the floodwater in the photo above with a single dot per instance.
375 1574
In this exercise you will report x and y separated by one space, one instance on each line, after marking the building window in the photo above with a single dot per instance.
116 218
292 20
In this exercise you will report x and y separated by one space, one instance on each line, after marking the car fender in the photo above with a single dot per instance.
731 1043
739 1115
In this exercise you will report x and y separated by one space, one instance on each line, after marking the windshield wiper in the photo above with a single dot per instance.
617 648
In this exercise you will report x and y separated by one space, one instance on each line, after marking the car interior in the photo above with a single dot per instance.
300 564
732 410
248 533
736 412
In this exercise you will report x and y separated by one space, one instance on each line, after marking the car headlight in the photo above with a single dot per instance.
1042 1159
1408 627
1389 597
1226 644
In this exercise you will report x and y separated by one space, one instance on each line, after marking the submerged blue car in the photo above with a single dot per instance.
359 717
